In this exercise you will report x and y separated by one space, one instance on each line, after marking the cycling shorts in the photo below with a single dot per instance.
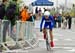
48 25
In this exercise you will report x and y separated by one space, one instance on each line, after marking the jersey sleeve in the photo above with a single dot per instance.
52 21
52 18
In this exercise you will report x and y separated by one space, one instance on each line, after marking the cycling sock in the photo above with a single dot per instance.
52 44
44 36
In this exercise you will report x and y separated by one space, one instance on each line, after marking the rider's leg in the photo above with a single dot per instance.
51 35
51 38
44 32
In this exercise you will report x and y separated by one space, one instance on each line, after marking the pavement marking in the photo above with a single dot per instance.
67 48
17 51
72 50
68 39
58 34
66 30
41 40
56 47
70 31
44 39
23 51
55 39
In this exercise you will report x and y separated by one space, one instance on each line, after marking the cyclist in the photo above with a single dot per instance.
49 20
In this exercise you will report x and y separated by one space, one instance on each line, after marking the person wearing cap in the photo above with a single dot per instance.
49 21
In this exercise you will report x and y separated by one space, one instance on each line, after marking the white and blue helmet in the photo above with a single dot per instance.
46 13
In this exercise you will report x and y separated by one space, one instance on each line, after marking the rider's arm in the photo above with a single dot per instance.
52 21
52 18
41 23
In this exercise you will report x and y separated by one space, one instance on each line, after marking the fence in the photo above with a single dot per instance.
22 35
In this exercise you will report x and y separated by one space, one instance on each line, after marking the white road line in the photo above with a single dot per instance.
55 39
70 31
17 51
72 50
44 40
68 39
67 48
57 34
57 47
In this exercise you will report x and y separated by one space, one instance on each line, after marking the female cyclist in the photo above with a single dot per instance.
49 21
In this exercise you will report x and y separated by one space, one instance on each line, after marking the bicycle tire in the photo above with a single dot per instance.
47 43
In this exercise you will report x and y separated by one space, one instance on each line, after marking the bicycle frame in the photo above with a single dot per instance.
47 41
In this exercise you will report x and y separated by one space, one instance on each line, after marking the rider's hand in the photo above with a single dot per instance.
40 30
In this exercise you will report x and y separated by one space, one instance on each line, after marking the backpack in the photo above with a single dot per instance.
2 11
10 12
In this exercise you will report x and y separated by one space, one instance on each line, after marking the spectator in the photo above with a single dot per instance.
2 9
64 22
2 14
40 12
31 18
36 10
45 9
55 20
69 18
16 17
59 18
24 14
11 16
24 17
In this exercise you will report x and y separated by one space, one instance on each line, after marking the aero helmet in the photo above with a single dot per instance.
46 13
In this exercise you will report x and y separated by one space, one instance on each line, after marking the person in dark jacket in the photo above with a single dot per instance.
69 18
36 10
2 10
3 5
10 20
31 18
59 20
55 17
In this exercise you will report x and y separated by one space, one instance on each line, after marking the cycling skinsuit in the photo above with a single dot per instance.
48 22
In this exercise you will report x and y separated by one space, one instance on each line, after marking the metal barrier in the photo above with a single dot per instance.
24 32
3 27
27 31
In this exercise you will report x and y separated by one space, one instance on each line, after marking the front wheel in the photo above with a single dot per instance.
47 43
